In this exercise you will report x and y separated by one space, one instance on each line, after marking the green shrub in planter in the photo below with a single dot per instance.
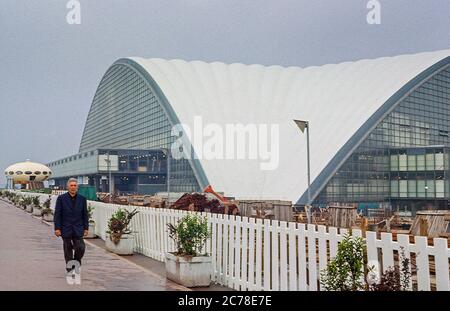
46 204
36 203
37 208
24 202
119 224
47 212
346 271
190 235
91 233
90 212
189 265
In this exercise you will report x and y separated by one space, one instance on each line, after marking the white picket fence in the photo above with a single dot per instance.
255 254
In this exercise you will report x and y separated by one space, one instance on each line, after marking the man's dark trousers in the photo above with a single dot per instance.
72 218
73 250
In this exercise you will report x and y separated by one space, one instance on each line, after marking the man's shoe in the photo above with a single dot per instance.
70 272
75 270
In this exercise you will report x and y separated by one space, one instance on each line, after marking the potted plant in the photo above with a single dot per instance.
91 234
189 266
29 207
345 272
119 238
47 212
22 202
14 199
37 208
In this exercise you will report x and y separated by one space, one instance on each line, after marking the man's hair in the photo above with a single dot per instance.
71 180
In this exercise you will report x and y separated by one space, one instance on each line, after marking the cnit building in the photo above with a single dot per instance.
379 129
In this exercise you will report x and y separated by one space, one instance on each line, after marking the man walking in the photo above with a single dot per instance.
72 224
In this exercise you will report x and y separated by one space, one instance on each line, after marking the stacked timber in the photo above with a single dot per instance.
342 216
431 223
267 209
154 201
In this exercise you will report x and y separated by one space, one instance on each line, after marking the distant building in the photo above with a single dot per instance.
379 129
27 172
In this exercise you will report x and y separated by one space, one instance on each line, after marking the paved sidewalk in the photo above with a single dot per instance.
31 258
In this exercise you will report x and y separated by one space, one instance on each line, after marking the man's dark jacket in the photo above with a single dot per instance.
71 216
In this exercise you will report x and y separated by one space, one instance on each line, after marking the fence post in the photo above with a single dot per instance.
312 257
403 243
441 264
373 264
423 270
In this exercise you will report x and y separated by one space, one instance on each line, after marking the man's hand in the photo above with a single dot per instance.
58 232
86 232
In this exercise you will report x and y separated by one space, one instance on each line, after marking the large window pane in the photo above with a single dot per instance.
440 189
394 188
411 162
439 157
402 162
430 189
412 192
430 161
421 188
394 162
421 162
403 188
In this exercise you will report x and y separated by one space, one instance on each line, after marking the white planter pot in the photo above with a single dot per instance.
37 211
29 208
189 271
91 234
124 247
47 217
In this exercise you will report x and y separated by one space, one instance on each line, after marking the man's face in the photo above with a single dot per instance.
73 187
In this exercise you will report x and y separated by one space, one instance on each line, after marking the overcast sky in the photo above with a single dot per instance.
51 69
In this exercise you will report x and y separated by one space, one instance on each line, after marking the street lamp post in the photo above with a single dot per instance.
168 177
167 152
108 161
302 125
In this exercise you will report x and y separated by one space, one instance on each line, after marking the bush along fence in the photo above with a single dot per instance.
256 254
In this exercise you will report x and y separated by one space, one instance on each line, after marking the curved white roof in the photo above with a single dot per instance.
337 99
32 167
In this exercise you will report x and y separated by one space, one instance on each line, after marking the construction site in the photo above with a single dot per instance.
429 223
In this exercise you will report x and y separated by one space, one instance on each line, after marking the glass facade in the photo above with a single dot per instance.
133 171
126 114
405 159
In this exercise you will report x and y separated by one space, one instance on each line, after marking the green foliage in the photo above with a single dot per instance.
25 201
395 278
190 234
47 202
47 211
43 190
346 271
119 224
90 211
36 202
11 196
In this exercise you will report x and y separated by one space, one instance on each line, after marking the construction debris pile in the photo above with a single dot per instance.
200 203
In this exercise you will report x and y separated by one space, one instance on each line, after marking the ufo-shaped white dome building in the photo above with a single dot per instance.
25 172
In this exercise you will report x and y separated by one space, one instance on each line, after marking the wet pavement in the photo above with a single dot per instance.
31 258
